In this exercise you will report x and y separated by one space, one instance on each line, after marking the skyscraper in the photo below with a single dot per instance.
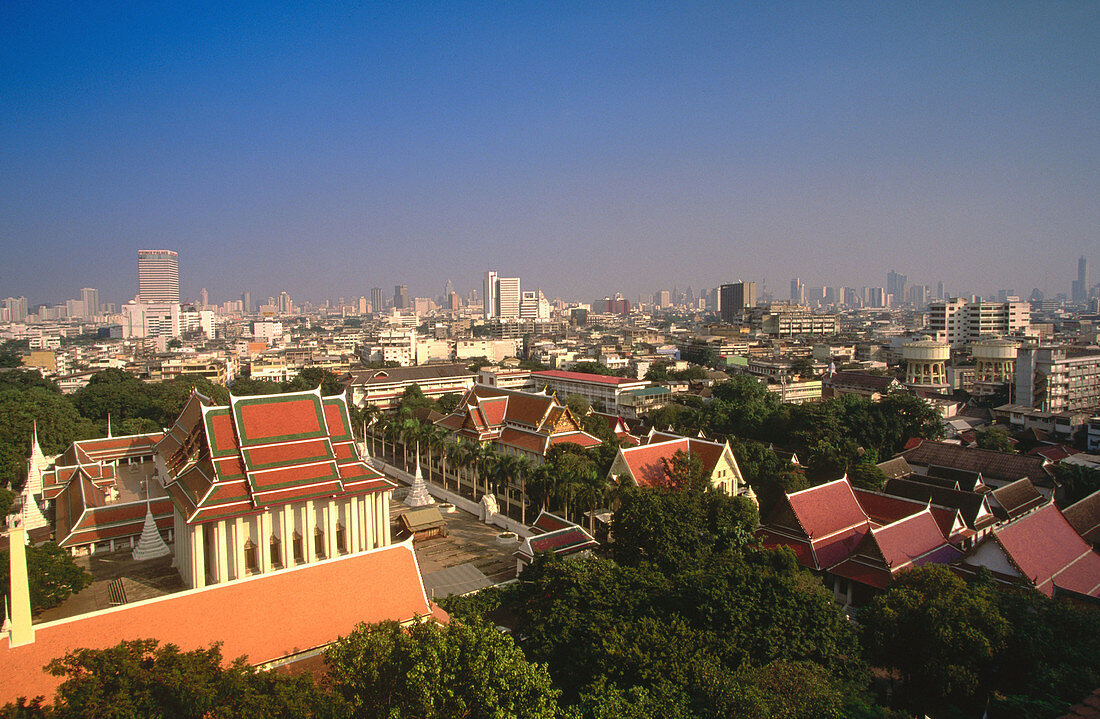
798 291
735 298
246 302
895 285
1081 284
90 297
502 297
401 296
158 276
377 304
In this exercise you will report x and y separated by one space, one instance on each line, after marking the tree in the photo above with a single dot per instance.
995 438
312 377
1077 480
51 573
449 402
941 634
59 424
865 475
413 398
140 678
7 498
578 405
592 368
424 671
684 470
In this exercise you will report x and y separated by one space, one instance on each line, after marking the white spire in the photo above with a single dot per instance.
418 494
36 464
109 425
151 545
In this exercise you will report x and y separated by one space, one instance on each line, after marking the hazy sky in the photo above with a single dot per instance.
585 147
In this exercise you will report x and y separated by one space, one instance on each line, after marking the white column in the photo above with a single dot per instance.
332 548
264 542
198 558
240 536
310 525
385 517
352 530
288 536
221 561
366 517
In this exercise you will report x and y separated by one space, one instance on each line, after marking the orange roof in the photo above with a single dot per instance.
1050 552
264 617
581 377
645 463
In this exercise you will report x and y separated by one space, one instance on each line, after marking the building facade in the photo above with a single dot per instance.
158 276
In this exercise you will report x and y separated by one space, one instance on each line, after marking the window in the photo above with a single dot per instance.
319 542
341 539
250 564
299 549
276 551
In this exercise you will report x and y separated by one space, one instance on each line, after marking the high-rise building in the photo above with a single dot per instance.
401 297
959 322
533 306
286 307
1081 284
90 297
158 276
204 298
735 298
895 285
798 291
662 298
877 297
502 297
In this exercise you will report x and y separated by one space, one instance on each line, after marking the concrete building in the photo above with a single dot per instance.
995 364
1080 293
377 301
401 297
383 388
926 364
90 297
158 277
502 297
735 298
602 392
1058 379
959 322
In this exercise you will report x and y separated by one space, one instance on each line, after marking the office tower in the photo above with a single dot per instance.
377 304
90 297
735 298
158 276
798 291
662 298
490 308
895 285
286 307
878 297
1081 284
204 298
401 297
941 293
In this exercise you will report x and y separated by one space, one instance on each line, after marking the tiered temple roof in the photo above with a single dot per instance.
261 451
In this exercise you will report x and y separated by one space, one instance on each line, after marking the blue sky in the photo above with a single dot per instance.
585 147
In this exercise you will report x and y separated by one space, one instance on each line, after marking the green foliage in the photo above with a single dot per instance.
679 529
413 398
592 368
311 377
7 498
941 634
248 387
865 475
425 671
142 679
995 438
59 423
578 405
768 475
476 363
51 573
449 402
684 470
1078 481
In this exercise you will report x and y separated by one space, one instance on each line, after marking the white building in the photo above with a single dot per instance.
959 322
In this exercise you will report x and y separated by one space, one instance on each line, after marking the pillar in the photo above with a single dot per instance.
366 518
221 560
198 558
332 548
309 528
264 542
288 536
240 536
385 517
352 530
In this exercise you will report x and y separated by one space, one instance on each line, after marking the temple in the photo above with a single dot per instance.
267 483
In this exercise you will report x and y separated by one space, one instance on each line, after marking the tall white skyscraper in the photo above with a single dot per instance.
90 297
158 276
490 308
502 297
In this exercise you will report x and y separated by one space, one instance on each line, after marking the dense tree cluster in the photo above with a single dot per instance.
51 573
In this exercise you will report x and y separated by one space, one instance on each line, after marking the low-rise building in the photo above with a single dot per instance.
382 388
602 392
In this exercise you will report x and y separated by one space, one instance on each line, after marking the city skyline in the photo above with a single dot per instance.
328 151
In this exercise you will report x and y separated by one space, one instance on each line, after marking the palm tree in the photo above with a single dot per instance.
575 470
503 470
523 467
462 455
540 485
433 437
409 430
591 490
483 460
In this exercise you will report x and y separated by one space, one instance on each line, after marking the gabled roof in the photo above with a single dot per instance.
998 466
887 551
883 509
556 535
1016 498
644 463
1084 516
1047 550
547 522
973 506
407 374
260 451
303 608
896 467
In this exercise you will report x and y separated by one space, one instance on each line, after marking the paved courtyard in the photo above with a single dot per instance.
468 558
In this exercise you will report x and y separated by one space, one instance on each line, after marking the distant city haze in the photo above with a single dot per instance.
589 149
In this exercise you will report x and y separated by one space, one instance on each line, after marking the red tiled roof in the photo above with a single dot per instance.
581 377
827 508
1049 552
908 540
645 463
301 609
582 438
886 508
266 419
547 522
802 549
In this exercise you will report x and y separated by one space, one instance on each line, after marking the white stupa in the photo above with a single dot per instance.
418 494
151 545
